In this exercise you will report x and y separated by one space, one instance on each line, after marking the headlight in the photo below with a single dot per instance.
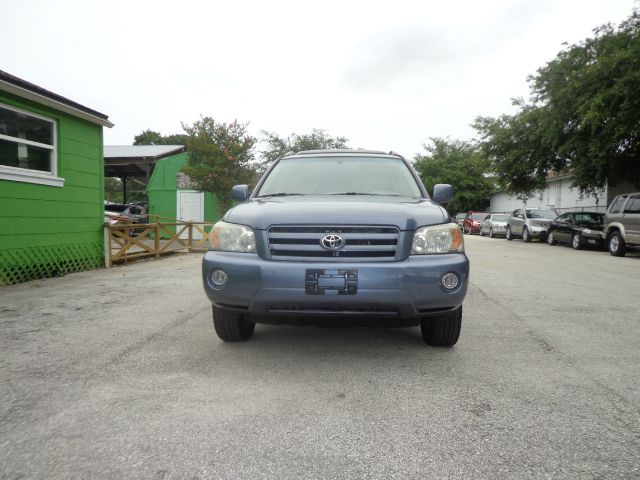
438 239
229 237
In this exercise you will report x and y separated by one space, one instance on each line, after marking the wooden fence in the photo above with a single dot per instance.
124 242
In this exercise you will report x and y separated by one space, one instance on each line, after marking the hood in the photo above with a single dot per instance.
405 213
541 220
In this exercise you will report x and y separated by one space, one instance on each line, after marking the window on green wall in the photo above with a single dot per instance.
27 147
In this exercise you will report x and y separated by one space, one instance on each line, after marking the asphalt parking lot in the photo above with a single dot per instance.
118 374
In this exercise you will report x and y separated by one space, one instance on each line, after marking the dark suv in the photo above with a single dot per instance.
622 224
338 235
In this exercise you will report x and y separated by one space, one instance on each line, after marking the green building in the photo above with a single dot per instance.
172 195
51 183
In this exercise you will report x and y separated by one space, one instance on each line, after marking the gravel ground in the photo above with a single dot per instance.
118 374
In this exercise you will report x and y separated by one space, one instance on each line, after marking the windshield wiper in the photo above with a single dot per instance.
281 194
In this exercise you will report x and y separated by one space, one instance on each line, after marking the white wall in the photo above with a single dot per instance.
557 194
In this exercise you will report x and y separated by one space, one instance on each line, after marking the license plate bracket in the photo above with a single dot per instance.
331 282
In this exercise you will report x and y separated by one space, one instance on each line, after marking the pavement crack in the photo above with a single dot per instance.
143 342
620 405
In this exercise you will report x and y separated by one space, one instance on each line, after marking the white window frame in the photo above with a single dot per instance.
26 175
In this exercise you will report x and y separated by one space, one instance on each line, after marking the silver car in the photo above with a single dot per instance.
494 224
529 223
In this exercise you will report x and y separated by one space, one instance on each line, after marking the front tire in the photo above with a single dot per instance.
526 236
492 233
443 330
551 239
617 245
231 326
508 235
576 241
481 232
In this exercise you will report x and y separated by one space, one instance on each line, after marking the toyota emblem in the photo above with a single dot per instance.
332 242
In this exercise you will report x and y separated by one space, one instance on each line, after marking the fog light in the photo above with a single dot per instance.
219 278
449 281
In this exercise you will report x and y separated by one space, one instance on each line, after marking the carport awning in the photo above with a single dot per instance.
136 161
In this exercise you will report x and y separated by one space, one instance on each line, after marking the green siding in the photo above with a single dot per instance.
162 190
48 230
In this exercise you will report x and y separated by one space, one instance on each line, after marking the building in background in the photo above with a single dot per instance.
51 183
173 196
134 165
558 195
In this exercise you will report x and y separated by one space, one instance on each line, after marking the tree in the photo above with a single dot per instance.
278 146
113 189
583 118
220 156
150 137
461 164
521 155
590 93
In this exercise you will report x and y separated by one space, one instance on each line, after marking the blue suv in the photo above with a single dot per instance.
338 236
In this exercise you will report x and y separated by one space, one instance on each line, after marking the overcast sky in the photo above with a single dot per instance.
386 75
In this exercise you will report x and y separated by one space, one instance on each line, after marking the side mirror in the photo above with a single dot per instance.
240 192
442 193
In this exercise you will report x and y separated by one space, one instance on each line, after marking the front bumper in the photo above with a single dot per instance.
594 237
406 289
539 232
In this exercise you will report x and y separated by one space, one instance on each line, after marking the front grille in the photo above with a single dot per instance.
370 243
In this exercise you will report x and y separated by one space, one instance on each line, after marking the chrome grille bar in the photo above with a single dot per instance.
361 243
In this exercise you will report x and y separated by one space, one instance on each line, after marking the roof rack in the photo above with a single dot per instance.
343 150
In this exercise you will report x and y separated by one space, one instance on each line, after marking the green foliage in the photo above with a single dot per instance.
584 116
220 156
520 152
278 146
150 137
113 191
592 94
463 165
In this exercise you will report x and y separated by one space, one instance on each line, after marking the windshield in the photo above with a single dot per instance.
540 214
500 218
589 217
478 216
340 176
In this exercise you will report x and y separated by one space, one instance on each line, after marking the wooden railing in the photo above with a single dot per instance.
124 242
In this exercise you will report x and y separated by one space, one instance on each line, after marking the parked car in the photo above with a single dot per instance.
622 224
494 224
126 213
135 212
529 223
577 229
472 222
460 218
338 235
